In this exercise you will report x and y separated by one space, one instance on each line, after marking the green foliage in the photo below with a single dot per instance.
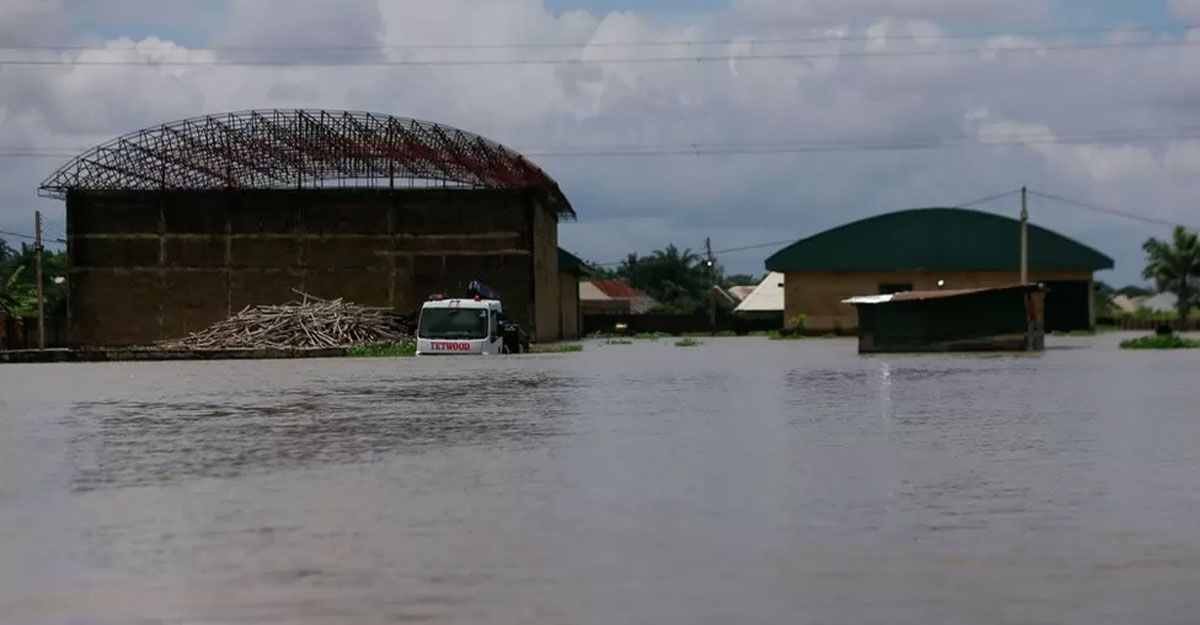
780 336
740 279
618 342
18 275
676 279
688 342
798 322
555 348
395 350
1174 267
651 336
1133 291
1160 341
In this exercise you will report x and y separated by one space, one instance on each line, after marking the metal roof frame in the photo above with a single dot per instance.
300 149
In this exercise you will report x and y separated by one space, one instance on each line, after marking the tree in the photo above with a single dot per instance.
677 279
1134 291
741 279
1175 268
16 296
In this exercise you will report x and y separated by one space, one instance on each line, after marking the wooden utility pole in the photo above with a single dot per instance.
1024 238
37 248
712 287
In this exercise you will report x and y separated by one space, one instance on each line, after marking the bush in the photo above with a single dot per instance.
1160 341
651 336
785 336
797 323
618 342
395 350
688 342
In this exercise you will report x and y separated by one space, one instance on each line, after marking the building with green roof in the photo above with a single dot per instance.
928 249
570 271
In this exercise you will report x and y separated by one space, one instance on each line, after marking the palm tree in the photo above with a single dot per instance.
1175 268
14 295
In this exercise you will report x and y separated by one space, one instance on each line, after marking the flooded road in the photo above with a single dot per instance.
743 481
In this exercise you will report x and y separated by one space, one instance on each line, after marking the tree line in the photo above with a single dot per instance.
677 279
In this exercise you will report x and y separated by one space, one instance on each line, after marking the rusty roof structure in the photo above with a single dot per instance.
300 149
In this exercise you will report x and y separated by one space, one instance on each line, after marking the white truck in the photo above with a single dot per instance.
472 325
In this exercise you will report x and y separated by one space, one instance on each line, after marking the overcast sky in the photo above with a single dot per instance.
1025 101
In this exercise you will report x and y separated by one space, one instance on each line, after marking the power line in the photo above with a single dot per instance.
612 44
792 147
858 54
18 235
982 200
1103 209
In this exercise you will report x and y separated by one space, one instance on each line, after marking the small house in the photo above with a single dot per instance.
985 319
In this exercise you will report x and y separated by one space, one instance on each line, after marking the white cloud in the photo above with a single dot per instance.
781 12
1185 9
643 202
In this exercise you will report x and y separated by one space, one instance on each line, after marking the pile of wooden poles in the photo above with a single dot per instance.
311 323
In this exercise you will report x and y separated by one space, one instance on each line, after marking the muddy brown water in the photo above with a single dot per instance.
742 481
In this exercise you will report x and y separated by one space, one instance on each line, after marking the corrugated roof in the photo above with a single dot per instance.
935 239
618 290
915 296
766 297
741 292
589 293
571 263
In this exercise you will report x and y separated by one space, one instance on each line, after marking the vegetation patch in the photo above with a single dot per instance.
782 336
651 336
555 348
395 350
618 342
688 342
1160 341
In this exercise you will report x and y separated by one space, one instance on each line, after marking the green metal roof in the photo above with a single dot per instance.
936 239
571 263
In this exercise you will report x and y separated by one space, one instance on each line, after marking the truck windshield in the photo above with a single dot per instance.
453 323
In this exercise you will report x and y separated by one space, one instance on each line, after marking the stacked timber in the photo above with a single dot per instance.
310 323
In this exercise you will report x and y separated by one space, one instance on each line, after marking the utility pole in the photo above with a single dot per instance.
712 287
1024 237
37 248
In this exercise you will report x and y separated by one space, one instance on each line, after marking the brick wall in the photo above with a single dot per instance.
153 266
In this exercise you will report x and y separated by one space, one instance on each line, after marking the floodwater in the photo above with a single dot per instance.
744 481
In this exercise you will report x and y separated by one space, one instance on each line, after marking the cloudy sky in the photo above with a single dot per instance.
808 102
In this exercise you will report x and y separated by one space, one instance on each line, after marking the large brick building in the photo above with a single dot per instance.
175 227
918 249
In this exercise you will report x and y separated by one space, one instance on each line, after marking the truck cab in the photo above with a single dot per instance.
472 325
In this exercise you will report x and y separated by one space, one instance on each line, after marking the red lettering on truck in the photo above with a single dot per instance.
445 346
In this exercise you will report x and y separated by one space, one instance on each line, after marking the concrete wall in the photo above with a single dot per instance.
818 295
153 266
546 303
568 291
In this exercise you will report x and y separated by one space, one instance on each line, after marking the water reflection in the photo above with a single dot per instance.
130 443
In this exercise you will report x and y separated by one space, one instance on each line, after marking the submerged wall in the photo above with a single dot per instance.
148 266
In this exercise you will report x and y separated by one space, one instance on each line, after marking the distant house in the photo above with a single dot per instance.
931 249
570 271
740 293
1126 304
613 297
1163 302
725 296
765 299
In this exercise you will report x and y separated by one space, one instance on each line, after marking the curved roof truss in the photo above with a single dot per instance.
300 149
